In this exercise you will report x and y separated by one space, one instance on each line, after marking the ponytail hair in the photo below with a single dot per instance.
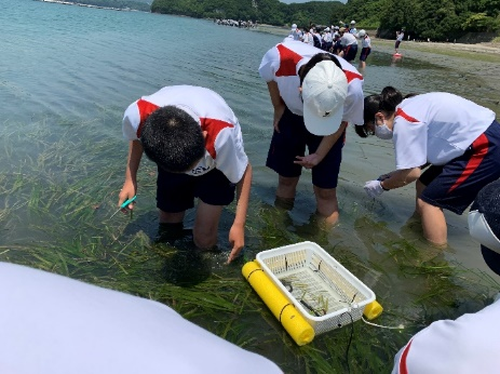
390 98
386 101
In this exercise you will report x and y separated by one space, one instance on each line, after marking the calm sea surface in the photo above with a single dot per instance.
66 75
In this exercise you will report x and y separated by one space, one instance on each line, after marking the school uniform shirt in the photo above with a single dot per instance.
56 325
469 344
224 141
308 38
436 127
281 64
348 39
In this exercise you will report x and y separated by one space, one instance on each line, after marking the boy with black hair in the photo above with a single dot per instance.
195 139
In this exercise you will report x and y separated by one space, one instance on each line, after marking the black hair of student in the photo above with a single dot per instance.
390 98
172 139
323 56
371 106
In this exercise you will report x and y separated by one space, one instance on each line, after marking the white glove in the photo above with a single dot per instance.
374 188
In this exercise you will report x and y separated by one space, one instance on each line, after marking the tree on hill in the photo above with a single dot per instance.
271 12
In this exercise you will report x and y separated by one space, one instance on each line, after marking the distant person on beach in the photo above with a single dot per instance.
336 47
352 28
349 45
366 48
195 139
327 39
470 343
295 32
399 38
307 37
456 141
314 95
317 39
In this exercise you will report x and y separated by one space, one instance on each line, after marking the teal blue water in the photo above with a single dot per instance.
66 75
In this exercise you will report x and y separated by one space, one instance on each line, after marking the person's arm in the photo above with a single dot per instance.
400 178
324 147
392 180
278 103
129 188
237 231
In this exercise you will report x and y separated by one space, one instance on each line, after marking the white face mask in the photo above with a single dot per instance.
383 132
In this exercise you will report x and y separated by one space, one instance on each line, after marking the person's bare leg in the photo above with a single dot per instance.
285 192
206 225
327 204
419 187
166 217
287 187
433 223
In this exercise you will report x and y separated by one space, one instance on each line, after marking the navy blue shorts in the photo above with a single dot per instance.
455 185
365 52
350 52
291 141
176 192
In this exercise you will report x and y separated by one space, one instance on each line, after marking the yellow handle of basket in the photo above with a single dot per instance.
284 311
373 310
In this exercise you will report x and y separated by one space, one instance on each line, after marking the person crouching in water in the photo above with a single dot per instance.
454 139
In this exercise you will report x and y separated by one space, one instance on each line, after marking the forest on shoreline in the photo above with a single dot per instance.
436 20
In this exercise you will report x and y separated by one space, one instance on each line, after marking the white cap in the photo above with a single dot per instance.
324 90
361 33
327 29
353 22
294 27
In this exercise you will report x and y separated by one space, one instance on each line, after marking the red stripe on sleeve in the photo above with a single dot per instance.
480 148
350 75
145 109
403 368
288 61
213 127
401 113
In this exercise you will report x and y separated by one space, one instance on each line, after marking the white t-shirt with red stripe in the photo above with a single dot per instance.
470 344
281 64
224 141
436 127
56 325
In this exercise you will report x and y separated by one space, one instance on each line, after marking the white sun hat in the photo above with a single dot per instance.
361 33
324 91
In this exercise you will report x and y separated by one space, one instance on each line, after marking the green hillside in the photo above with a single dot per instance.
438 20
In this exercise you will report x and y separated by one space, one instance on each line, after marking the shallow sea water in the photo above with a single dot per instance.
66 76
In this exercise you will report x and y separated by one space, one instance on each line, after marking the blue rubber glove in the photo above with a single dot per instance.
374 188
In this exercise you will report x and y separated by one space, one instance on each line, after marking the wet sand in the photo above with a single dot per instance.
480 61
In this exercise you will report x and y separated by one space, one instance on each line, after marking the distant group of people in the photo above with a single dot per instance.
340 40
235 23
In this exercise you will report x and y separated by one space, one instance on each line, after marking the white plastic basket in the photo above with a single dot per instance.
325 293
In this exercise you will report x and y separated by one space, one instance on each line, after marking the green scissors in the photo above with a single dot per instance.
124 205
